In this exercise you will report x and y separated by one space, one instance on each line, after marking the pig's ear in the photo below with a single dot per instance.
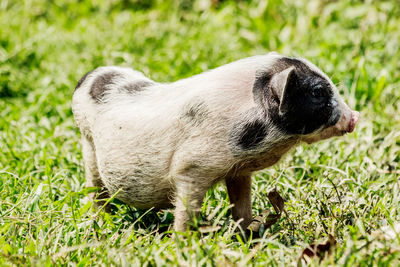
282 84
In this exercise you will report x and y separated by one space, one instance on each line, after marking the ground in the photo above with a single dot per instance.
347 187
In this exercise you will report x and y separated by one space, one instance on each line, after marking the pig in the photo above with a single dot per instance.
163 145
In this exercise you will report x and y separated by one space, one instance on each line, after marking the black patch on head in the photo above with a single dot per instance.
334 117
309 99
82 80
195 113
286 62
100 85
262 80
249 134
137 86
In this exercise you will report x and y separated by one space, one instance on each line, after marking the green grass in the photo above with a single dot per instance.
348 187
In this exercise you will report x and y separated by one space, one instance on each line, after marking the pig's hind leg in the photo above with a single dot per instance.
92 175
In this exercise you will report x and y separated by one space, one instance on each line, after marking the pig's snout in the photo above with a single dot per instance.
347 121
355 115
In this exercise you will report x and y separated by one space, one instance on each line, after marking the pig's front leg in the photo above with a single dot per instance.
188 200
239 191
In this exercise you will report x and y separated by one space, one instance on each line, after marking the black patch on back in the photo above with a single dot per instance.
82 80
137 86
195 113
100 85
310 98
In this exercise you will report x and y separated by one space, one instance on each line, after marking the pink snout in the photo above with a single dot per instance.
355 115
347 122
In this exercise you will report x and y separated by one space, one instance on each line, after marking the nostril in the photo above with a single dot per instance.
352 125
355 115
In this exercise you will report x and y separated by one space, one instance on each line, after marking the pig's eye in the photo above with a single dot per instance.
317 92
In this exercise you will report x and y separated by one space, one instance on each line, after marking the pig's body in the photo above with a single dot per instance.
164 145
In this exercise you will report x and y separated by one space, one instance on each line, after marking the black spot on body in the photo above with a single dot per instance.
101 84
82 80
195 113
249 135
137 86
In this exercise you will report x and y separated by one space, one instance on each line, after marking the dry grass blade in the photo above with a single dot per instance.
317 250
266 219
209 229
258 221
277 201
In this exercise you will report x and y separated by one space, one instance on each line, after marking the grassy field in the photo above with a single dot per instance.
348 187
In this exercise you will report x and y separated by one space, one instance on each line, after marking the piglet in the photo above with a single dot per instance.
164 145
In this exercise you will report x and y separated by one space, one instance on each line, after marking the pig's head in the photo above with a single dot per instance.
301 100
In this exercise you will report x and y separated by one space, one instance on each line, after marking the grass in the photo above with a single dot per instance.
348 187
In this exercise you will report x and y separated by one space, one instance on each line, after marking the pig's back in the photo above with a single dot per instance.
109 112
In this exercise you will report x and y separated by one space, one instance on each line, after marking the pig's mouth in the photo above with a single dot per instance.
346 124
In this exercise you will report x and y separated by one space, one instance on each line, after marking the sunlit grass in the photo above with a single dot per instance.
347 187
